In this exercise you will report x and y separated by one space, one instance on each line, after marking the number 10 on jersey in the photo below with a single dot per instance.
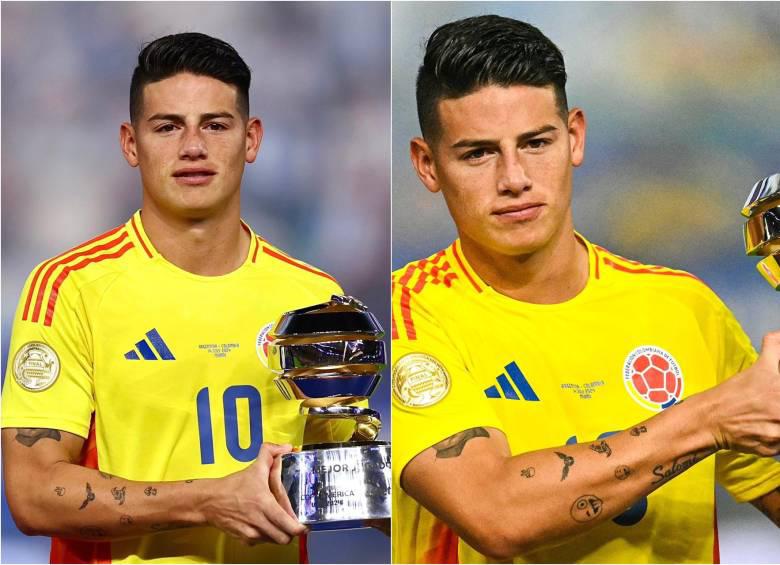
230 399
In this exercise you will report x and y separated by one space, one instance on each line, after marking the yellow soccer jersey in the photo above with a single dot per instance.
635 340
162 370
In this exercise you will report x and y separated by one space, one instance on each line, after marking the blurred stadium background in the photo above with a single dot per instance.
684 116
319 190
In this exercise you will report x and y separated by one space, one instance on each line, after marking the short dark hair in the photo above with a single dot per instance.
466 55
194 53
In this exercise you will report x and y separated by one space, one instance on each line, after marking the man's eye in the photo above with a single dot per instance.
216 126
166 128
475 154
538 143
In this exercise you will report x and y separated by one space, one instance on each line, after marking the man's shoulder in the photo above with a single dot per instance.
106 254
271 258
630 275
430 279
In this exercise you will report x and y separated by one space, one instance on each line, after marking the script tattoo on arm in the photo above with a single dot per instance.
602 447
30 436
568 461
90 498
663 474
453 445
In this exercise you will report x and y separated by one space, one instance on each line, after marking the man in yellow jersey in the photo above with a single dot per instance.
138 421
536 375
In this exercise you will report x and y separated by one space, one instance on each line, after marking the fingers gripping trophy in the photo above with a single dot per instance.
329 357
762 229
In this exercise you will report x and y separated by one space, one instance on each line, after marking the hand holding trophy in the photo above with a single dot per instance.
329 356
762 230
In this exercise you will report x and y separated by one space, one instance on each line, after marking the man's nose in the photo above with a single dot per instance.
513 177
193 145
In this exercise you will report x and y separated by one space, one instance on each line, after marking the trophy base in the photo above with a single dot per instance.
337 486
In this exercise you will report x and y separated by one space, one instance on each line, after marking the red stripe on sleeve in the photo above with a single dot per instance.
30 292
75 551
596 255
257 246
393 326
53 267
406 313
463 267
67 270
138 235
294 263
647 271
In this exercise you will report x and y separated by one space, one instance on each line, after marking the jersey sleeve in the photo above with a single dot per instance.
48 380
745 477
434 395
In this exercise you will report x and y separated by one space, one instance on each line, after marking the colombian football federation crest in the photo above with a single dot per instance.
653 378
261 344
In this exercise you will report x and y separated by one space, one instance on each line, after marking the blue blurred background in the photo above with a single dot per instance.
683 111
319 190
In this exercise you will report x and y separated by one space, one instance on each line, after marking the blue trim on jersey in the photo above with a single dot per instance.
146 351
521 382
159 345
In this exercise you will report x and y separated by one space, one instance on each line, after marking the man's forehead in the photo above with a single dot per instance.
189 91
483 111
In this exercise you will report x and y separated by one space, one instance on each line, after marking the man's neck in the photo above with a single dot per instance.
553 274
211 246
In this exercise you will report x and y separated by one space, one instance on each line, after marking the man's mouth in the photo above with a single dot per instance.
193 175
519 212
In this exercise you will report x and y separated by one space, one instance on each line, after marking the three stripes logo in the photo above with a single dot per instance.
147 348
509 392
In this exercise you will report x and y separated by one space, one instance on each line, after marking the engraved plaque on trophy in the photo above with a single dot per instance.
762 229
329 357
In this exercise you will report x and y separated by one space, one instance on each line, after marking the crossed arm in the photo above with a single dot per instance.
505 505
49 494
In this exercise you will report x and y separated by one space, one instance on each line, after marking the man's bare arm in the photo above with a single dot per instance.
50 495
769 504
504 506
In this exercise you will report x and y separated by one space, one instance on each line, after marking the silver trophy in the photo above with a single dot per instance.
762 229
329 357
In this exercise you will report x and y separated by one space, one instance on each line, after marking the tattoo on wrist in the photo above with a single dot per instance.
586 508
125 519
453 445
92 532
568 461
528 472
30 436
119 494
622 472
602 447
636 431
60 491
664 473
90 497
150 491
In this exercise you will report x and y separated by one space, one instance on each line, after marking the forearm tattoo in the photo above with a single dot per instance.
528 472
622 472
60 491
586 508
90 497
638 430
119 494
453 445
568 461
30 436
663 473
602 447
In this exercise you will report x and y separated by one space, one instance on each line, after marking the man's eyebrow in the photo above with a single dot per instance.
178 118
520 138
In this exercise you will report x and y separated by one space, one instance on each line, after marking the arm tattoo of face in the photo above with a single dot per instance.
60 491
90 498
29 436
638 430
528 472
119 494
568 461
602 447
586 508
150 491
622 472
453 445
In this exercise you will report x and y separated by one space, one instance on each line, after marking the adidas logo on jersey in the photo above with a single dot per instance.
148 347
518 378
